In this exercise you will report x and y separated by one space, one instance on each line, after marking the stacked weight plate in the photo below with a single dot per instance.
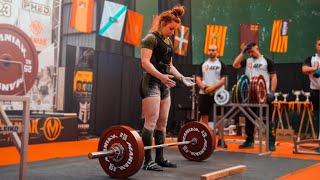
251 90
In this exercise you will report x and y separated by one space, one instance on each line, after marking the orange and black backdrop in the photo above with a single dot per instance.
45 130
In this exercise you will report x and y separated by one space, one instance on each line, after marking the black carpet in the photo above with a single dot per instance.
78 168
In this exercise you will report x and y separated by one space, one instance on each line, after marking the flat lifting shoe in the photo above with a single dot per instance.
152 166
246 145
224 144
166 163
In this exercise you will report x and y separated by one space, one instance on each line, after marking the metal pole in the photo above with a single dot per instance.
171 144
193 90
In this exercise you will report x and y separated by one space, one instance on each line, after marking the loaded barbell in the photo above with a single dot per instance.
121 150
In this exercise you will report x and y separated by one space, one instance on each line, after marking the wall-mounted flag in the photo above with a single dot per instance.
82 15
133 28
279 37
215 35
181 39
112 20
248 33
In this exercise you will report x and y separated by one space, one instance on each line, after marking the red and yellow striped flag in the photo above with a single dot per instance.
215 35
279 37
82 15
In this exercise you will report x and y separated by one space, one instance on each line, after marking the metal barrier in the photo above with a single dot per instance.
21 144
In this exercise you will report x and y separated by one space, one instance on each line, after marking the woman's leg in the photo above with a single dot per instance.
150 107
160 132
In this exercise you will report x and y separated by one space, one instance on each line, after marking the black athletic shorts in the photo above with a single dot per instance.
205 103
152 87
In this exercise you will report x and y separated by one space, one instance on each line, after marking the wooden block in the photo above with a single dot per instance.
224 172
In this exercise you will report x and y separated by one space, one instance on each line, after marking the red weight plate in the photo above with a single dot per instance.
252 87
204 146
18 59
261 90
133 154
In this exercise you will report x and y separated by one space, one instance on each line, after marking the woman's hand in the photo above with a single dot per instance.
167 81
188 81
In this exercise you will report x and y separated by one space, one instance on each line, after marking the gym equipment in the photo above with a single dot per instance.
221 97
18 61
121 150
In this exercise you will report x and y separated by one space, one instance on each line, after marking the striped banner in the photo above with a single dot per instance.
279 37
181 39
215 35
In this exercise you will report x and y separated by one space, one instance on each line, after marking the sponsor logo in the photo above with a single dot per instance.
52 128
36 7
257 65
36 27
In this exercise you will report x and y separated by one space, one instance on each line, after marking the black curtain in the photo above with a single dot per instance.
69 75
116 93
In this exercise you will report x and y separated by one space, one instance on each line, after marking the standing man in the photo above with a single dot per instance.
257 64
311 67
210 77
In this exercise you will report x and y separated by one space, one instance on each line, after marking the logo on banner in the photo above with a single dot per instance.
35 7
36 27
52 128
84 112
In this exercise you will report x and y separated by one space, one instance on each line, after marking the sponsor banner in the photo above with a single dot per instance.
82 89
9 11
248 33
44 130
35 18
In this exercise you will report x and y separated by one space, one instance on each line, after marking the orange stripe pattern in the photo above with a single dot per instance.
82 15
133 28
215 35
279 37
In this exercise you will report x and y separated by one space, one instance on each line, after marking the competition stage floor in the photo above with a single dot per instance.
68 161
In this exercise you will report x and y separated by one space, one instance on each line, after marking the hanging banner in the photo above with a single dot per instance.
133 28
35 18
112 20
82 15
181 39
82 89
9 11
248 33
215 35
279 37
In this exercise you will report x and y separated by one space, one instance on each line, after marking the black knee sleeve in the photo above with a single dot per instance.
159 138
147 141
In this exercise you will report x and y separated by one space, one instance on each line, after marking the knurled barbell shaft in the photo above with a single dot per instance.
99 154
170 144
